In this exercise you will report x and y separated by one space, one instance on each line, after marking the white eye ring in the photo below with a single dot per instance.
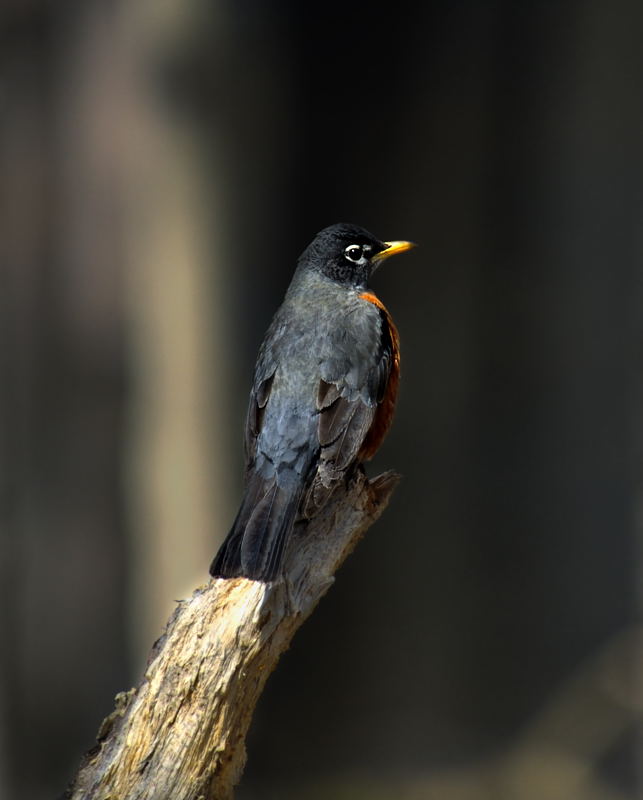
354 253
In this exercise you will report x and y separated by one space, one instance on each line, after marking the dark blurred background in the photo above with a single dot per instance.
161 167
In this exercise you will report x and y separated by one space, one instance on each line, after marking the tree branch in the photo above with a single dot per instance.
181 733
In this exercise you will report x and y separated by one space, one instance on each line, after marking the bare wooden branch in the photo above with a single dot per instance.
181 733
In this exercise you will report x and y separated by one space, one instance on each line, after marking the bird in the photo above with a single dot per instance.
322 399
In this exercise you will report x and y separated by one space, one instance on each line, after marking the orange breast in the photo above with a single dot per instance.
385 410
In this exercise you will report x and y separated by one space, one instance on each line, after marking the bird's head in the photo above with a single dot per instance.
348 254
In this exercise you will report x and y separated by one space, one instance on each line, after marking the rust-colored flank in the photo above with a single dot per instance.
385 410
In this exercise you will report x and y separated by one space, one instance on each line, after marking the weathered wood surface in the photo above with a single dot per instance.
181 733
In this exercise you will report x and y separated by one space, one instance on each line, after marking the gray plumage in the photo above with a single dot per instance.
321 371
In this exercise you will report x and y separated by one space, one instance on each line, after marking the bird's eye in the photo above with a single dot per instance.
354 252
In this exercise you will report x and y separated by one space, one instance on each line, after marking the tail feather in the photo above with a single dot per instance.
256 543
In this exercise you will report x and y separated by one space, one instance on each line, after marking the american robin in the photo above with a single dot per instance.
322 401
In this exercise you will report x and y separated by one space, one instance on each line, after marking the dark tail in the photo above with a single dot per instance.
255 546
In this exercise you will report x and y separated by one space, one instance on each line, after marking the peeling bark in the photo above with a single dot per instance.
181 733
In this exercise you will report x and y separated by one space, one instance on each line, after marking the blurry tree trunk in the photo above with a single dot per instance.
62 388
178 475
181 734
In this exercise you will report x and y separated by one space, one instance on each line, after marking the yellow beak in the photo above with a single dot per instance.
393 248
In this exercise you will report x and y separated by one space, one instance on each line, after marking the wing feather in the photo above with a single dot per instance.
348 416
254 418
